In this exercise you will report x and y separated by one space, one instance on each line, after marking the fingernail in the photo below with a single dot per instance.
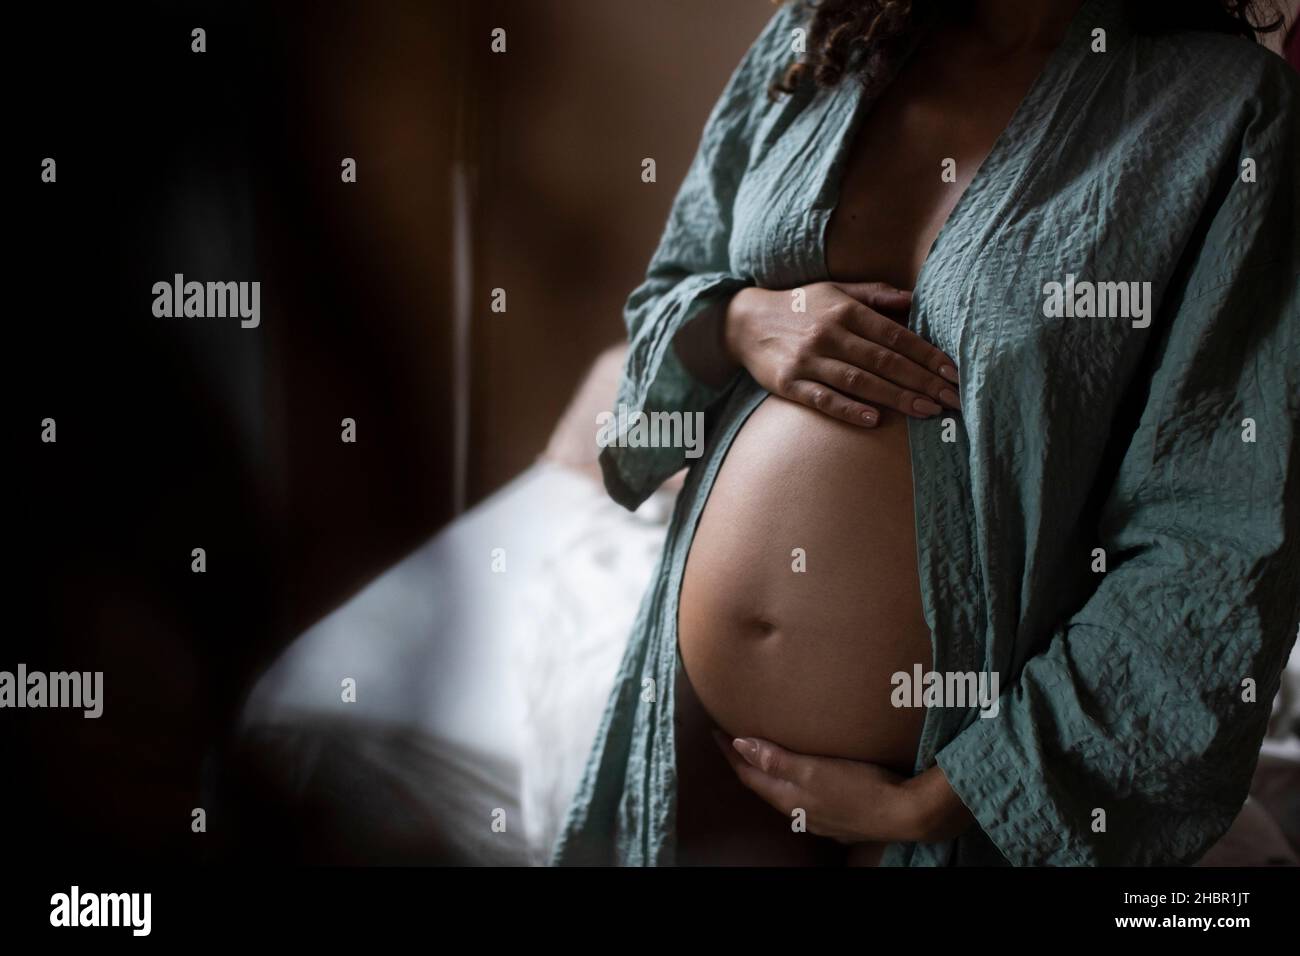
948 372
746 748
869 417
924 406
949 396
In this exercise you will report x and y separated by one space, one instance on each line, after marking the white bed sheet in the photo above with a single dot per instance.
513 665
429 641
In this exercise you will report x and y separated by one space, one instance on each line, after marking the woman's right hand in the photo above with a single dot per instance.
843 355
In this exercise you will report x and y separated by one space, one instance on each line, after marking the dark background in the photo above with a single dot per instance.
182 433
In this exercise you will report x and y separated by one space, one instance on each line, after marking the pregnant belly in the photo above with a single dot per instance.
801 597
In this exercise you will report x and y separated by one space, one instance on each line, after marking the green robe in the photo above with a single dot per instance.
1168 442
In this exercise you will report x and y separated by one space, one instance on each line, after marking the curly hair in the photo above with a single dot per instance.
866 37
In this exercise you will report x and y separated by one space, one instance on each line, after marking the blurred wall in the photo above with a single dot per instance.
586 90
552 134
182 433
361 280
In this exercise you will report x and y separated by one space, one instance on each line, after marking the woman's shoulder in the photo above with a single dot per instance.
1216 71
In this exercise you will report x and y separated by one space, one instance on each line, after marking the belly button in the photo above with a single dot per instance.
763 627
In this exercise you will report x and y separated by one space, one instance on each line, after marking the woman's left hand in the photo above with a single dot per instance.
849 800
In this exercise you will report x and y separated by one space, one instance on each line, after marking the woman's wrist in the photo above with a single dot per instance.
701 347
733 333
934 811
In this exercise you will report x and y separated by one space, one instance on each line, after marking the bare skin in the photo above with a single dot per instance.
794 668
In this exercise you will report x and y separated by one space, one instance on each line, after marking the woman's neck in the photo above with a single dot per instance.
1009 27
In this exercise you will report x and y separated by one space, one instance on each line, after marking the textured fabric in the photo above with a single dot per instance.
1122 690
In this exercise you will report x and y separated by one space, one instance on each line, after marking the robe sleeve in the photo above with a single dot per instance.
690 270
1139 705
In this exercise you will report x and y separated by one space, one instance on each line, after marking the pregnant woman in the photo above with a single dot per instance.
1061 466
